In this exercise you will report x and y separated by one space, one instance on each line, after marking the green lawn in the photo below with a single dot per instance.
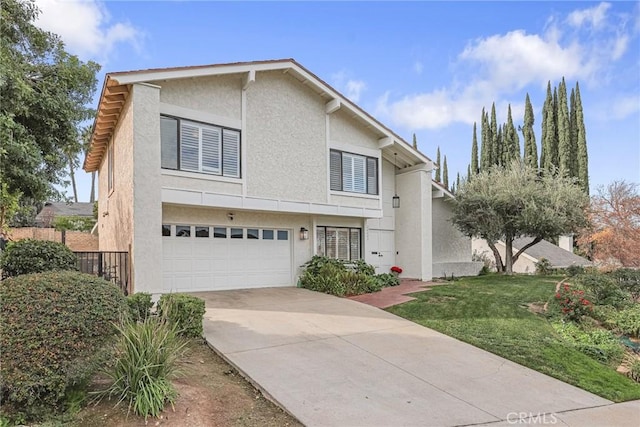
491 312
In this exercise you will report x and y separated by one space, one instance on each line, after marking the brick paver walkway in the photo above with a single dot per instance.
394 295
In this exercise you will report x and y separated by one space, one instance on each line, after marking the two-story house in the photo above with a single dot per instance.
234 175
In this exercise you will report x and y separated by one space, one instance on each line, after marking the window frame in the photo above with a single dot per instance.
203 125
368 191
349 230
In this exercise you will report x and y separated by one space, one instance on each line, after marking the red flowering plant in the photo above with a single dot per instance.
395 269
572 303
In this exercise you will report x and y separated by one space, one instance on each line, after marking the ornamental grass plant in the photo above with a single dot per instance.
146 355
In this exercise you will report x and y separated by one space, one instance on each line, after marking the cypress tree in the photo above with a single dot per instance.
511 140
445 174
468 172
573 134
458 180
583 158
473 168
564 133
495 143
555 141
499 147
485 152
530 147
544 139
415 142
438 163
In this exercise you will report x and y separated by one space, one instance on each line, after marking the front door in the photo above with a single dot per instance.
380 250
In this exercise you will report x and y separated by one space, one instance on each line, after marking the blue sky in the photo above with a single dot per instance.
419 67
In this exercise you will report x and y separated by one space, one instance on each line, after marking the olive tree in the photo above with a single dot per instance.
505 203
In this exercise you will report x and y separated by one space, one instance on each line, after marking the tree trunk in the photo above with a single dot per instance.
92 196
508 255
496 254
72 175
525 247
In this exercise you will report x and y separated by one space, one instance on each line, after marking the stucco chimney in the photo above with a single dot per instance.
566 242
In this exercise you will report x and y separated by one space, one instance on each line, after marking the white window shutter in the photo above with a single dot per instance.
359 174
335 167
347 172
231 153
189 147
372 175
210 150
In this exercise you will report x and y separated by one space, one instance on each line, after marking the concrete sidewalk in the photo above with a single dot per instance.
335 362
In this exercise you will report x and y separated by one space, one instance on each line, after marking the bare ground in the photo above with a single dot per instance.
211 394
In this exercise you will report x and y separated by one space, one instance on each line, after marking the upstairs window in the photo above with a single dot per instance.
353 173
198 147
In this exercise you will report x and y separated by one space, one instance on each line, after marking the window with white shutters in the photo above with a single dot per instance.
353 173
339 242
198 147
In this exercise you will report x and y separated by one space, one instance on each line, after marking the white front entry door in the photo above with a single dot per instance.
380 250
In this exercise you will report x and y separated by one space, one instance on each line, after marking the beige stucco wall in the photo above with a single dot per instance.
285 140
200 182
449 244
345 130
413 230
219 95
115 210
524 264
147 211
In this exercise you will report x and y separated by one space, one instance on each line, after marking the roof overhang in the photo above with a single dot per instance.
117 86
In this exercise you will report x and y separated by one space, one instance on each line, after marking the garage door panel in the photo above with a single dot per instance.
208 263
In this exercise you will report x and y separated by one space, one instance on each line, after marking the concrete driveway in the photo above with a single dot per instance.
335 362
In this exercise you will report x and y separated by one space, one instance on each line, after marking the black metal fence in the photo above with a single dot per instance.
111 266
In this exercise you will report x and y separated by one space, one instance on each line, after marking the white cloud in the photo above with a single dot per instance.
85 27
352 88
418 67
625 106
499 66
594 17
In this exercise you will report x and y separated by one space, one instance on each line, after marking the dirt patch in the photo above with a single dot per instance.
211 394
537 307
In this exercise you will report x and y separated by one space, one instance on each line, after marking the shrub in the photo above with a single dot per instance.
317 262
603 289
53 329
627 321
543 267
145 359
36 256
358 283
599 344
139 306
628 280
573 303
360 266
325 278
183 310
634 369
574 270
606 314
387 279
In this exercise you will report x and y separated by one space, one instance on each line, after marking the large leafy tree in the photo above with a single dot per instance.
505 203
44 93
613 237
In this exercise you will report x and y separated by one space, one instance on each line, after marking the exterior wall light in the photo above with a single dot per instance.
304 233
396 201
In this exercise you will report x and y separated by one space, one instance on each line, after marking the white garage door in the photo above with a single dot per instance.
203 258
